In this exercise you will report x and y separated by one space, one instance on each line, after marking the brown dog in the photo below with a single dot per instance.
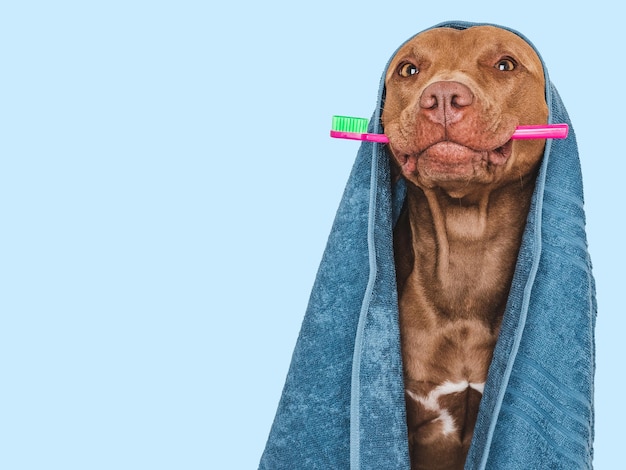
453 99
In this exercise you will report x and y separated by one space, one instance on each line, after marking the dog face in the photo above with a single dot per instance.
453 100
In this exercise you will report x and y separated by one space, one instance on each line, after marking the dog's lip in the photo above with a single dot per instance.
496 155
501 154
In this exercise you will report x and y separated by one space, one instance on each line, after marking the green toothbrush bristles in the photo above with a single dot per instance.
349 124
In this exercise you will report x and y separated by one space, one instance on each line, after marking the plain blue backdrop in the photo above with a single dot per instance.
167 185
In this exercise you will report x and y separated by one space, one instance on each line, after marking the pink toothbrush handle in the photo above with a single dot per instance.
380 138
547 131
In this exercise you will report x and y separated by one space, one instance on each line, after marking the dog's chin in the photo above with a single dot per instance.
449 162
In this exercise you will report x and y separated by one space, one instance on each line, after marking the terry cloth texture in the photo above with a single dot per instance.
343 405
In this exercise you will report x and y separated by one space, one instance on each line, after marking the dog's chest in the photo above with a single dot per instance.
445 366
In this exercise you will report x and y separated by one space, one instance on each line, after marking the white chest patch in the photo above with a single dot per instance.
431 401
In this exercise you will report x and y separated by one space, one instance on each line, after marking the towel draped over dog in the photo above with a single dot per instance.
343 403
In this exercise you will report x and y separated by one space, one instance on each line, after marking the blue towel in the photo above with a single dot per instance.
343 404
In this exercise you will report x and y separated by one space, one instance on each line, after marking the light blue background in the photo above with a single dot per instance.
167 185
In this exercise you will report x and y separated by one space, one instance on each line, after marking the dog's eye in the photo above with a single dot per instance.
407 70
505 65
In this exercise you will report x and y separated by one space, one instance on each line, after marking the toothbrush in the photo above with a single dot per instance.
345 127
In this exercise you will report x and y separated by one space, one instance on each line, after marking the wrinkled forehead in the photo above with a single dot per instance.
461 48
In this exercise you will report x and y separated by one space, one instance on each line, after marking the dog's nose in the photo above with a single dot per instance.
445 102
